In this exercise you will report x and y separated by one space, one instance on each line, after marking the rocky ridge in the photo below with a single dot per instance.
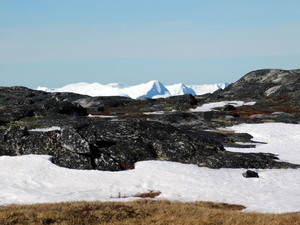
112 133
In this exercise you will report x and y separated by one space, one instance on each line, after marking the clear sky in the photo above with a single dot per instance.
57 42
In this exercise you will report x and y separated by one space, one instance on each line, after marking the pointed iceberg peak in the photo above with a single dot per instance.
180 89
152 89
158 87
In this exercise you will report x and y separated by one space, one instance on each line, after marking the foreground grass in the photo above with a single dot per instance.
139 212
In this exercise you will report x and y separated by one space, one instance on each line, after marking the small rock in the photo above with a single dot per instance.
229 108
250 174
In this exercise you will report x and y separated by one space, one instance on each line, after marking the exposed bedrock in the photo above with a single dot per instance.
118 145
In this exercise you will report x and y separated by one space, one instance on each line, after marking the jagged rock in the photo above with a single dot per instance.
250 174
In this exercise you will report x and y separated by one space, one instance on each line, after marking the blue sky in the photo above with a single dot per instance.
53 42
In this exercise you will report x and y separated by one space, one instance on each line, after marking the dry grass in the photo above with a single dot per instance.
223 131
139 212
150 194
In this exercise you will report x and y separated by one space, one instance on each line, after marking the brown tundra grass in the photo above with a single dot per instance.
140 212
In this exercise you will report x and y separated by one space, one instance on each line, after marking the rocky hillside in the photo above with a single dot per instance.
270 83
112 133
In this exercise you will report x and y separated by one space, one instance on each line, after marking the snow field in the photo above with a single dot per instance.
34 179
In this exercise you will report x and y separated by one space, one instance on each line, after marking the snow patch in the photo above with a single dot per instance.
282 139
211 106
47 129
154 113
101 116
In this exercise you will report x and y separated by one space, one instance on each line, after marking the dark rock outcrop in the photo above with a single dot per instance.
117 145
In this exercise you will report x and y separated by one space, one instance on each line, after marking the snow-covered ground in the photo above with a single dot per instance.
33 178
211 106
283 140
152 89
